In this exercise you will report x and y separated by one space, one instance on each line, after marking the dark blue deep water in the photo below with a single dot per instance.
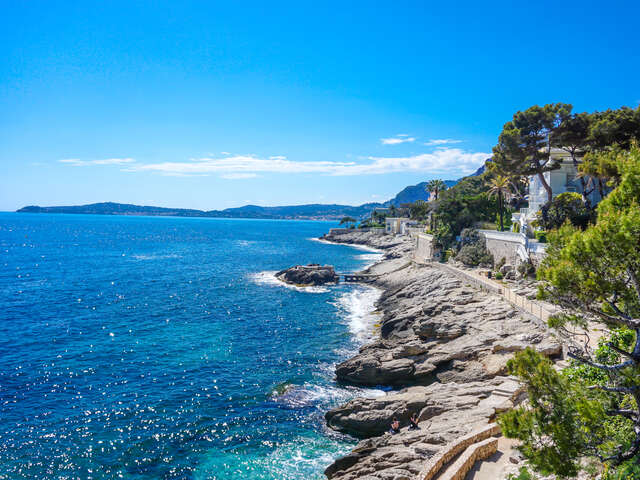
162 348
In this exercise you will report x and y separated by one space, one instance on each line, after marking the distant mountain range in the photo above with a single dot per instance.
313 211
298 212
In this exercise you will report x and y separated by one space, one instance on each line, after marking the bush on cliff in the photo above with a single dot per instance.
567 206
474 251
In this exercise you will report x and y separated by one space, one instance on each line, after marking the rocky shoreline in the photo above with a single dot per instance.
442 348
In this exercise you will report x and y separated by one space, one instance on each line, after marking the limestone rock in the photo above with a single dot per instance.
444 345
308 275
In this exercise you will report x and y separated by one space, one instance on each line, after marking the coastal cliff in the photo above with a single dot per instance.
443 348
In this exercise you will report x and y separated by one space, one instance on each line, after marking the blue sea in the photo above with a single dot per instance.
163 348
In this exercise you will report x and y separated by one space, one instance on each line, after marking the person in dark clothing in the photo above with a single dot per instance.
413 422
395 426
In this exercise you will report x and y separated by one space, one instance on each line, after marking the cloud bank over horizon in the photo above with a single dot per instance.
442 161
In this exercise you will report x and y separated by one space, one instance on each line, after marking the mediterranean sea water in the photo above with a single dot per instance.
163 348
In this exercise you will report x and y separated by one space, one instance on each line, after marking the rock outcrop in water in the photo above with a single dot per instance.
308 275
445 345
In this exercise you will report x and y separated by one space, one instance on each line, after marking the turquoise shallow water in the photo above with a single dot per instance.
162 348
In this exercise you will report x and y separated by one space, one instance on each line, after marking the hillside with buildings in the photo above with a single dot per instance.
547 238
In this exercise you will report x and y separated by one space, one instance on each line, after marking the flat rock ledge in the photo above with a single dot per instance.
308 275
443 346
391 246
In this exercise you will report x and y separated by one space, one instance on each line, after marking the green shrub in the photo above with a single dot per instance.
526 268
498 276
523 474
567 206
469 236
474 255
541 236
626 471
449 253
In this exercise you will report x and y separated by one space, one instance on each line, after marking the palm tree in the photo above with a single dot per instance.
501 187
436 186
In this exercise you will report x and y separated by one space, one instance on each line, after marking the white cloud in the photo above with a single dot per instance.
400 138
442 161
238 176
441 141
75 162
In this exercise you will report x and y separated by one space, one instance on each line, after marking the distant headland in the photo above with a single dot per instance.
297 212
291 212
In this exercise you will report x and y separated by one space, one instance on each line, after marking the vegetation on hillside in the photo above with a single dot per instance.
592 409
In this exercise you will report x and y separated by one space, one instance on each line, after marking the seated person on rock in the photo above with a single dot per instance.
395 426
413 422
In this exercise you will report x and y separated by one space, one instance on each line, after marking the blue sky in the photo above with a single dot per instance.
218 104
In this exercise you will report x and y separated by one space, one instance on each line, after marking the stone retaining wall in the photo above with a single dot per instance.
424 250
505 245
451 450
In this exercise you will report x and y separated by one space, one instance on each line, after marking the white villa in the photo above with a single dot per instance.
563 179
398 225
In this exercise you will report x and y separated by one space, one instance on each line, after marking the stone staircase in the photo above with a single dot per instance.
457 458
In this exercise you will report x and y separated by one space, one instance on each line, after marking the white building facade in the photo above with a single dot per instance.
563 179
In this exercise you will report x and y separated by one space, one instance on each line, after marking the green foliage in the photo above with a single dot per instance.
592 267
541 236
523 474
629 470
621 338
603 165
614 127
419 210
470 236
526 268
557 425
567 206
443 235
502 189
524 146
592 271
474 255
348 221
525 142
450 253
436 187
474 251
499 276
378 217
506 220
461 206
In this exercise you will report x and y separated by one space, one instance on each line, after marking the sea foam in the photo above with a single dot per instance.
269 278
357 308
